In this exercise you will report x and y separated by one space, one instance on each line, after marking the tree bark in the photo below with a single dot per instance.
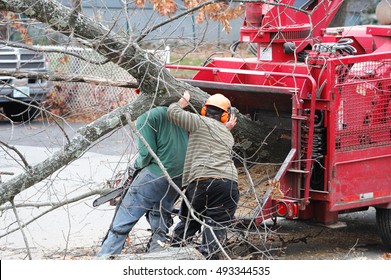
158 87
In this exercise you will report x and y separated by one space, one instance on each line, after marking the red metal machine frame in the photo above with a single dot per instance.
334 86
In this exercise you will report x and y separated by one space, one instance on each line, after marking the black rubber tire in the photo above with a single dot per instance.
18 112
383 220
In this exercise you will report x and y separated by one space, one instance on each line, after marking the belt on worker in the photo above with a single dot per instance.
206 179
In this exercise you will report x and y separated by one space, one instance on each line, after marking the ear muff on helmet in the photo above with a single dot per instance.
225 115
203 110
219 101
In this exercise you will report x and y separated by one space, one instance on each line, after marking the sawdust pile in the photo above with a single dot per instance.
252 186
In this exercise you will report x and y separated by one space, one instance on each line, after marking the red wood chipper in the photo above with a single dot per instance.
329 89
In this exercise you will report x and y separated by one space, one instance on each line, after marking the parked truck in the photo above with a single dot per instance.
21 98
330 90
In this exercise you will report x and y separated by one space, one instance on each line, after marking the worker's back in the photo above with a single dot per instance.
167 140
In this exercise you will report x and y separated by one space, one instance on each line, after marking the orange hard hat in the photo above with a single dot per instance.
220 101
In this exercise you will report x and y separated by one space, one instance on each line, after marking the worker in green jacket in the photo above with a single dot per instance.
150 191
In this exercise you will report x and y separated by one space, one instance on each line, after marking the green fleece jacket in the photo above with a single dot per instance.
167 140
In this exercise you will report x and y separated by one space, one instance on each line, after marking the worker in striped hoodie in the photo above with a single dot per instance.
209 173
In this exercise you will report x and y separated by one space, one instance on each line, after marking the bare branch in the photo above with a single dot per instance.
21 229
53 207
100 191
158 87
191 10
69 78
26 165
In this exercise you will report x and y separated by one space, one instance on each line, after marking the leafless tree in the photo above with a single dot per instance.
157 86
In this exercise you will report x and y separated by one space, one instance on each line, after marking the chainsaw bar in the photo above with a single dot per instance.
122 186
109 196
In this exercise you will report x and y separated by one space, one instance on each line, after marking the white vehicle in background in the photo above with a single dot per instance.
21 98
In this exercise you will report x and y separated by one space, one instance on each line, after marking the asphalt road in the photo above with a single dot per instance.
66 228
43 134
357 238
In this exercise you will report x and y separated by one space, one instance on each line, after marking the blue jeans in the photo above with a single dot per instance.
147 193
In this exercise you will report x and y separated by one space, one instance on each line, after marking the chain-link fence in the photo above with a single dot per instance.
76 96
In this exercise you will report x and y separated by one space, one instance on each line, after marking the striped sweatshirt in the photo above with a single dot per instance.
209 151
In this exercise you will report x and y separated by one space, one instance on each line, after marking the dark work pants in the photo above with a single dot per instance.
215 202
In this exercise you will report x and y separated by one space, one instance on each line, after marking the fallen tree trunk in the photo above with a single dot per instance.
158 87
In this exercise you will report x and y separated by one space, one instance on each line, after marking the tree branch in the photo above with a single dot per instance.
171 19
158 87
69 78
26 165
21 229
54 207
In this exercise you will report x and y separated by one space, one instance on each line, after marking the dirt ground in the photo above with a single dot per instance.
357 239
354 237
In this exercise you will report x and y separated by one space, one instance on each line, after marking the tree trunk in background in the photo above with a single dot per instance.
158 87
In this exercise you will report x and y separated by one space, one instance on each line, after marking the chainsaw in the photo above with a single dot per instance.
120 186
